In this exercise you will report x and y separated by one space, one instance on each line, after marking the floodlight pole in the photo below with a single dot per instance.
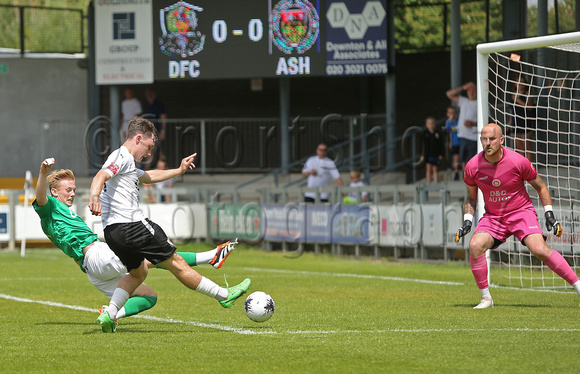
456 43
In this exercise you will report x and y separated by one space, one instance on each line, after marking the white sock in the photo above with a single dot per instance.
577 287
485 293
210 288
120 297
121 313
205 257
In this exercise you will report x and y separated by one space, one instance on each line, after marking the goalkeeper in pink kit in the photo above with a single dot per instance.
501 174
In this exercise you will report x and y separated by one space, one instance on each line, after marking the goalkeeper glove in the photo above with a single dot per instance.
465 229
551 222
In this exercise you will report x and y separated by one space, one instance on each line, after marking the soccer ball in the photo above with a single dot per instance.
259 306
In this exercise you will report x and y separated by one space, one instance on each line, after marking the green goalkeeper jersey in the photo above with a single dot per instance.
64 228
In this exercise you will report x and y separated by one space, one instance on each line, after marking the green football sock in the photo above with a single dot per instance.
137 304
189 257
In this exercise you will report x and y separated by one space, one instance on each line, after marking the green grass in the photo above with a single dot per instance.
332 315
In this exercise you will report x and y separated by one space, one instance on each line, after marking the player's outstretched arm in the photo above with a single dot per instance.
41 183
551 223
469 211
95 191
155 176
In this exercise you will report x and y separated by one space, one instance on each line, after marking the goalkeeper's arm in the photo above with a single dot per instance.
469 211
551 223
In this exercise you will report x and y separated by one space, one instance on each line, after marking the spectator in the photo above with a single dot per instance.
130 108
432 150
467 121
164 198
155 111
355 181
320 170
451 128
523 121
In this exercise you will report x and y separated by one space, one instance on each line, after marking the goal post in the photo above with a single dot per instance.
531 88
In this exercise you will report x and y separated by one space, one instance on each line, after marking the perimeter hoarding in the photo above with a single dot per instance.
218 39
309 223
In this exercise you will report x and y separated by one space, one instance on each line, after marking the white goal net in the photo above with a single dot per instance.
531 87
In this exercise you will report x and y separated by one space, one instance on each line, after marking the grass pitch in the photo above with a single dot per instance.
332 315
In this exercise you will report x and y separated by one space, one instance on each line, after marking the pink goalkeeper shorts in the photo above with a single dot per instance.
520 223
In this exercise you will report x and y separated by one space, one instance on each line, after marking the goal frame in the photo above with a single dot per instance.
483 52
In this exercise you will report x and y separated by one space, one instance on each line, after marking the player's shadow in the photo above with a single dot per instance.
62 323
255 327
93 328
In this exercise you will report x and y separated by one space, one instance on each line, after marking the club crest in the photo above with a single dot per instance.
178 23
294 25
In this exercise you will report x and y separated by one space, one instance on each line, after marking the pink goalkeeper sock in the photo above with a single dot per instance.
559 266
479 270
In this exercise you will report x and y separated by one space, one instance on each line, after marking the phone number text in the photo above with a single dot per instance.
356 69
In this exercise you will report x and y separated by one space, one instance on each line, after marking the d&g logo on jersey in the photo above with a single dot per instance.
496 183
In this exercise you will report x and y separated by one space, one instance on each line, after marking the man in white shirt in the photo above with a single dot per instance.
114 195
467 121
130 108
320 171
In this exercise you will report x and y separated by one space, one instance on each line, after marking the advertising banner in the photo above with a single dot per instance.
356 37
236 221
352 224
400 225
4 226
124 42
432 225
284 222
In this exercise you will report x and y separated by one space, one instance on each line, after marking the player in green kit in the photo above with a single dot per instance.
70 233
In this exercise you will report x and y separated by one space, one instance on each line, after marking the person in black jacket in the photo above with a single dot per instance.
432 149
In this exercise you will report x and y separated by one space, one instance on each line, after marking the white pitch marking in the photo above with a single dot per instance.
151 318
348 275
397 279
298 332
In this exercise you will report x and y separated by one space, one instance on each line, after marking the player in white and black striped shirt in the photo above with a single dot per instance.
114 195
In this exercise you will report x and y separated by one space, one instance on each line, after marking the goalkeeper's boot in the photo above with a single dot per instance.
235 292
486 302
106 322
223 251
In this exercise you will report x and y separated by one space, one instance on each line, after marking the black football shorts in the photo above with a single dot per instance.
135 241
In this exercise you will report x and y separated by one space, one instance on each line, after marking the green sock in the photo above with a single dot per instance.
189 257
137 304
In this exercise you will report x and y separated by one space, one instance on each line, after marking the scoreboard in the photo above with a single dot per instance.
218 39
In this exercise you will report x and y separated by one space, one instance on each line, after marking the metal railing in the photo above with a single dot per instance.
251 145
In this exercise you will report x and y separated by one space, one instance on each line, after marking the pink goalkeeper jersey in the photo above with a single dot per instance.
502 183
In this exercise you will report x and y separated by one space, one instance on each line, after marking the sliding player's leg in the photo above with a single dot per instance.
126 287
105 271
142 299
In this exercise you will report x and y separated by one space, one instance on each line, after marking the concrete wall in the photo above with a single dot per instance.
37 96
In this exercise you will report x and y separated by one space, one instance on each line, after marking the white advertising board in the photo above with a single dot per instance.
124 48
